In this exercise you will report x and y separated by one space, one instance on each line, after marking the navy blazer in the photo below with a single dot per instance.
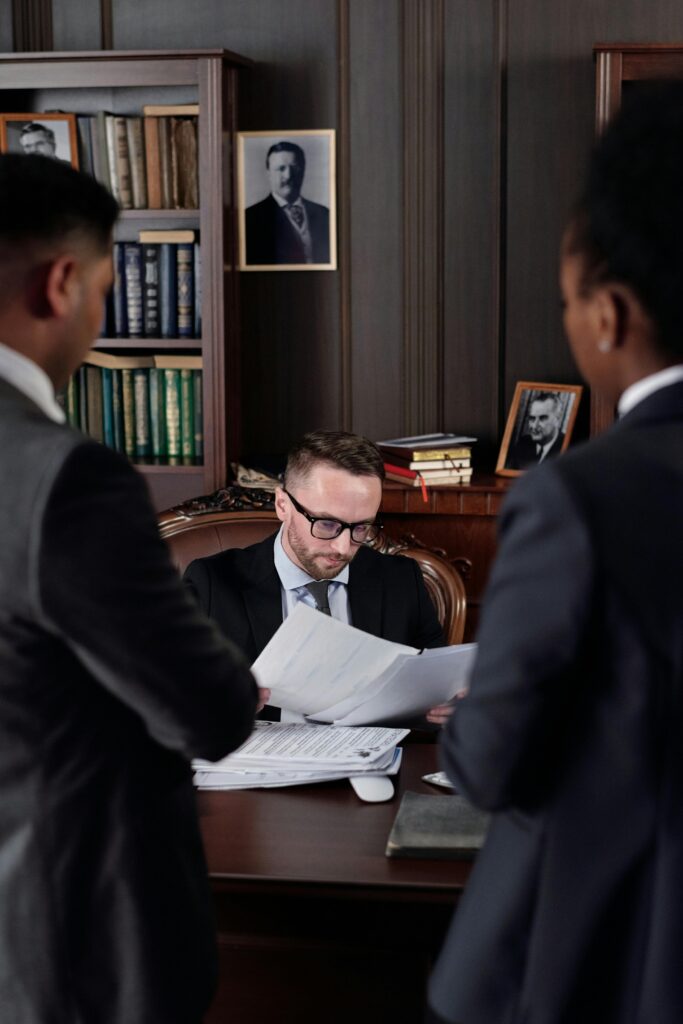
571 733
240 589
272 238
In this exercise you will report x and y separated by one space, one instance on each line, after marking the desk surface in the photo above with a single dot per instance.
322 837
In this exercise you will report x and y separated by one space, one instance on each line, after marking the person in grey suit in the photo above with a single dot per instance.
328 507
284 227
571 731
111 679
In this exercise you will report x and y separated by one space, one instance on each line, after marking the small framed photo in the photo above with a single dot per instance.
48 134
539 425
286 194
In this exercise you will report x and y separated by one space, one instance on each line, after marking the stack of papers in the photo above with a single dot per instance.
332 672
278 754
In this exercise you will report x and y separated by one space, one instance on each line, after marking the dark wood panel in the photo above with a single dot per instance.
550 131
376 157
471 210
81 33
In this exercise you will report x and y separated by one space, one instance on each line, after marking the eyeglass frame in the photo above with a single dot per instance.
375 524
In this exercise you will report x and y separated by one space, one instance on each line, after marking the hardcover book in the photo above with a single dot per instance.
136 154
438 827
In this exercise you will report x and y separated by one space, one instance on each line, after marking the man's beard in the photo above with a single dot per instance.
311 564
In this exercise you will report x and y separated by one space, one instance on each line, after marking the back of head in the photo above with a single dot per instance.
350 452
45 204
628 226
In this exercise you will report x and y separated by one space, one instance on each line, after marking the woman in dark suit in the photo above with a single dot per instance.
571 732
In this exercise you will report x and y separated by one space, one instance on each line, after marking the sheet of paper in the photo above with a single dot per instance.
314 661
271 779
409 687
276 746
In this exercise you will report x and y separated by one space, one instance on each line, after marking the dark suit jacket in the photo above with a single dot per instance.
110 680
240 589
272 238
524 453
572 734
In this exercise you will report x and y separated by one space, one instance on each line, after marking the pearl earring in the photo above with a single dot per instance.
604 345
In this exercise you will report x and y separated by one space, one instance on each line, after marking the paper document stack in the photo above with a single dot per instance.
278 754
331 672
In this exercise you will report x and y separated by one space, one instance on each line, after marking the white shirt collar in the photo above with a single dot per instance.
27 377
291 576
647 386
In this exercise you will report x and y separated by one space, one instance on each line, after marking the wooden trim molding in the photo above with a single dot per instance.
423 214
32 26
344 212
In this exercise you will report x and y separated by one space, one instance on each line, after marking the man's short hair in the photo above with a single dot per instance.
350 452
45 201
288 147
547 396
33 127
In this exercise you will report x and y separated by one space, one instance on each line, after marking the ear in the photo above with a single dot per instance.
55 287
617 312
280 504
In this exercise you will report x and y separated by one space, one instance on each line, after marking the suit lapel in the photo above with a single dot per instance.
366 593
262 599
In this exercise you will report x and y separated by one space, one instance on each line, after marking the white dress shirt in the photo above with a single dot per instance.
26 376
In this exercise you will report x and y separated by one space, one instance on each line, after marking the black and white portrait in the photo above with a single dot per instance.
52 135
539 425
287 200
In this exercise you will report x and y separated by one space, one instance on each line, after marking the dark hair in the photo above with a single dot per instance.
43 200
350 452
288 147
546 396
628 225
32 127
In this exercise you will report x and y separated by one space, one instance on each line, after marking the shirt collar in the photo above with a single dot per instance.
283 202
26 376
291 576
635 393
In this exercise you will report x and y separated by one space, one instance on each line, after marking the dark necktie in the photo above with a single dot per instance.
319 593
297 214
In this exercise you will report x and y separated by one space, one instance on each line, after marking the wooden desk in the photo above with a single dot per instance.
316 925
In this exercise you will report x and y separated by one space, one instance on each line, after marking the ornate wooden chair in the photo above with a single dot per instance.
198 528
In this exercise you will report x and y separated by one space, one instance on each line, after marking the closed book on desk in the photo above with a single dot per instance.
438 827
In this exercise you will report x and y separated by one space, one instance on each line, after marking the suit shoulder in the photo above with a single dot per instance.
316 208
234 564
389 566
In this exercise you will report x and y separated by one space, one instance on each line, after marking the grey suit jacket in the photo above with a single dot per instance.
110 680
572 734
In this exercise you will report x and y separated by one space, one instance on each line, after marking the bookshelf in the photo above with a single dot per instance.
620 67
122 82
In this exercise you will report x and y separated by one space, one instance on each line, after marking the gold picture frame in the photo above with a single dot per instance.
278 171
539 425
51 135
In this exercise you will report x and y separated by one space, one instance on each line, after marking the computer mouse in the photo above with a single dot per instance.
374 789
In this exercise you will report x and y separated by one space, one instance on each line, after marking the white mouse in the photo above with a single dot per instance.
374 789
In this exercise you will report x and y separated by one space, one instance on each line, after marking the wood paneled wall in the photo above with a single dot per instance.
463 128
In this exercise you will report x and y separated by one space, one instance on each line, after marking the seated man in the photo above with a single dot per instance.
328 507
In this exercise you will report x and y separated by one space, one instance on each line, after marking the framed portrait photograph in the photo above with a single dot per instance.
286 195
48 134
539 425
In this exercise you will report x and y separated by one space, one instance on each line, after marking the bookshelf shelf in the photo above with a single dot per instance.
122 82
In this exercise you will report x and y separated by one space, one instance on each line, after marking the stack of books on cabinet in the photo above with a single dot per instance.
147 407
427 459
147 161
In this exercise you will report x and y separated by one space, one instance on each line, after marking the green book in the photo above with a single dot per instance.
143 430
157 412
107 406
198 416
187 415
117 411
93 378
438 827
72 402
173 399
128 402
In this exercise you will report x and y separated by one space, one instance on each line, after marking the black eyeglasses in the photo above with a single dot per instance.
328 529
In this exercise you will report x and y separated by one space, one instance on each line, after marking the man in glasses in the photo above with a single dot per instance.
328 507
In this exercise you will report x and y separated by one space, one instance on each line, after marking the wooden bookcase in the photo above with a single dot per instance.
618 67
121 82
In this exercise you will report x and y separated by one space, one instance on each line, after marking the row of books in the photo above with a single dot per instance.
157 287
428 459
147 161
148 407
